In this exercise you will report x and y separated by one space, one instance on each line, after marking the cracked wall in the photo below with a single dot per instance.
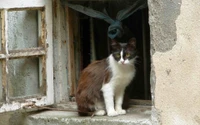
175 49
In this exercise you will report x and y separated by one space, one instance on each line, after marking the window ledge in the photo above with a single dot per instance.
136 115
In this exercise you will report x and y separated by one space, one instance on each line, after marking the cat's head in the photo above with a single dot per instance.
124 53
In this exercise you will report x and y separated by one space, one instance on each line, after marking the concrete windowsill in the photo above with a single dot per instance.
136 115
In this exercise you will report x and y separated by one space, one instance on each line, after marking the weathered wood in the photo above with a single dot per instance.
140 102
25 8
71 58
9 4
43 86
43 66
34 52
45 51
43 31
77 47
4 50
22 99
49 52
92 41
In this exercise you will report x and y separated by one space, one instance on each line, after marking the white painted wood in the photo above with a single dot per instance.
49 60
49 98
4 43
14 105
9 4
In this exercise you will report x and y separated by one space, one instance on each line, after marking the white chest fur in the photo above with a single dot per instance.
121 74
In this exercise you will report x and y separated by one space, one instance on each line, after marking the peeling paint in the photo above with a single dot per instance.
163 14
176 66
17 105
22 22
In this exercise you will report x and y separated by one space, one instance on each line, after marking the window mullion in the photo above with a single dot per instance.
4 50
42 44
32 52
14 57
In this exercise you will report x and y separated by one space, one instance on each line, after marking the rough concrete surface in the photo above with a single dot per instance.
12 118
162 17
177 81
138 115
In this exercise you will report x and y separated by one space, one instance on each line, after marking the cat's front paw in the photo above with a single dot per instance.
112 113
121 111
100 112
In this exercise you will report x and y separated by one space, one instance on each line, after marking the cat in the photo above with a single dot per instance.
102 83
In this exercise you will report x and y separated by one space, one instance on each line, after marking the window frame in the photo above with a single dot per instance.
45 51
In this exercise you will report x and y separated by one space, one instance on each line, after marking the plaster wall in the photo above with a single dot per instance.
175 45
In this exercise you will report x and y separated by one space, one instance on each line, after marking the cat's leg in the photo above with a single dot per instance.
108 95
119 96
99 108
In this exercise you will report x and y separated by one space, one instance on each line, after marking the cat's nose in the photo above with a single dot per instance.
122 62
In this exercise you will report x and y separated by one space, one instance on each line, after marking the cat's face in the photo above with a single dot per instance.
124 53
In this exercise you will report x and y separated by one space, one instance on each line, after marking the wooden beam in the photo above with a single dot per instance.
14 54
26 8
71 58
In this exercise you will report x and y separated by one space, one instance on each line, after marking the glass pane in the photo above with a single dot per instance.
23 77
22 29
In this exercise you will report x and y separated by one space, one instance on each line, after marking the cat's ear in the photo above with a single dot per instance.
132 42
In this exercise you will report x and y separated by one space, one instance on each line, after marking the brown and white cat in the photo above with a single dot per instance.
102 83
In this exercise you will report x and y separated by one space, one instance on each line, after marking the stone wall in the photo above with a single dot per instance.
175 45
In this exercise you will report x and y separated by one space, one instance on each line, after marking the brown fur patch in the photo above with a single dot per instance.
89 87
107 76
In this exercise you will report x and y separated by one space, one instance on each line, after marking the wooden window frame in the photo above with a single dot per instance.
44 52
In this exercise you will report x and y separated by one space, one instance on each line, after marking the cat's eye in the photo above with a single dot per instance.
128 55
117 55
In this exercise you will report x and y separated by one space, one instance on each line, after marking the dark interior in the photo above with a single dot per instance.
138 24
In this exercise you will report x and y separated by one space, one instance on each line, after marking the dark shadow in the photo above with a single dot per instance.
138 24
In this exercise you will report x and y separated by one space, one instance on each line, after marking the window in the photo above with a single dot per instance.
88 37
26 68
26 51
